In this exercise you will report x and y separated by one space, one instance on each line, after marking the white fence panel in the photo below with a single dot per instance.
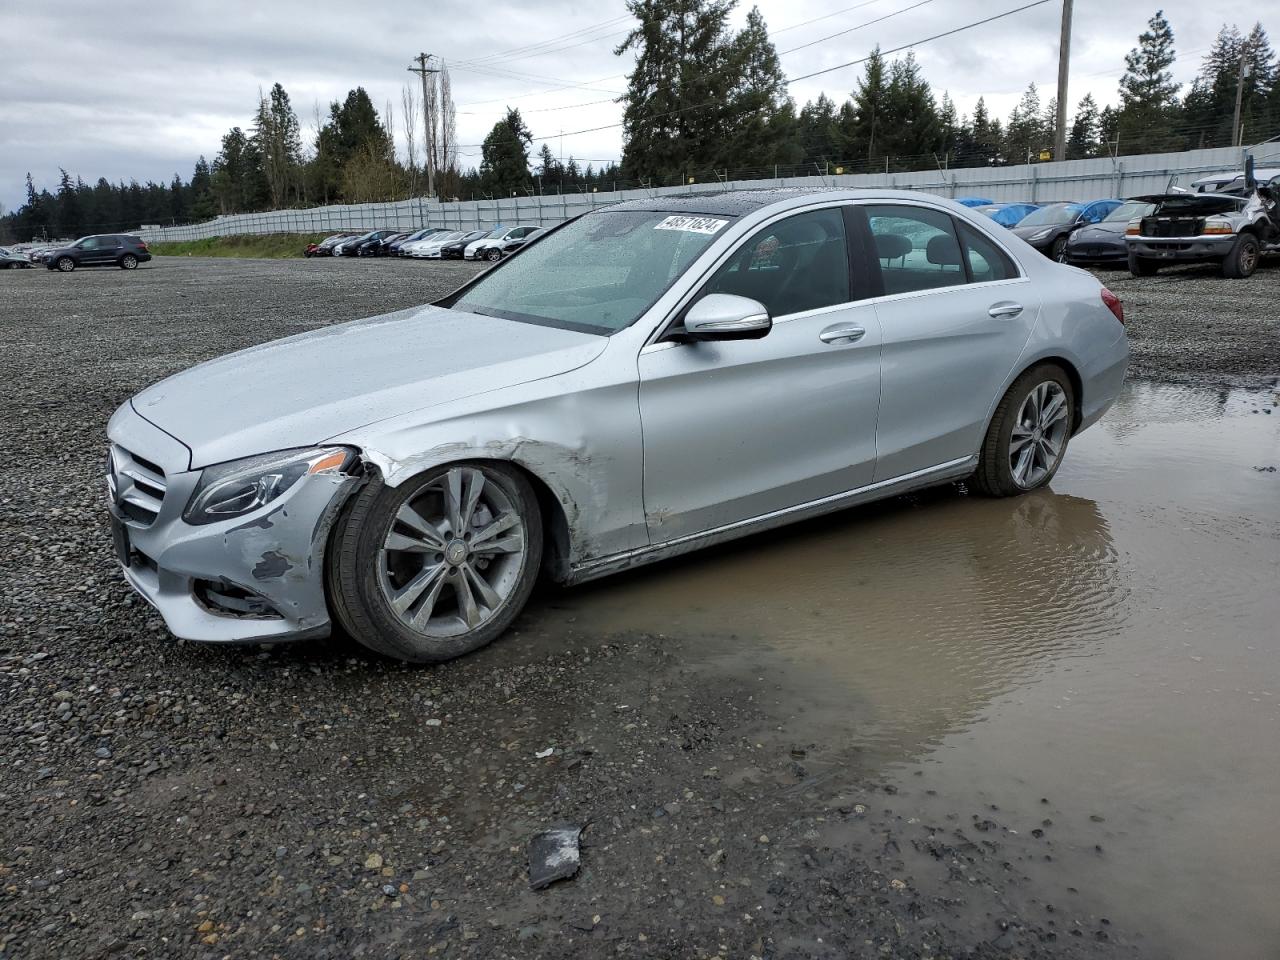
1081 180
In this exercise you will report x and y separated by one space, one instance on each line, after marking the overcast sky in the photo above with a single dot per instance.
121 92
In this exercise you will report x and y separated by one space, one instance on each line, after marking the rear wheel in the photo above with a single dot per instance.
1243 258
1142 267
128 262
439 566
66 264
1028 435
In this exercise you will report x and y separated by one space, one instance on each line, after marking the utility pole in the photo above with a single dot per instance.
1246 71
428 120
1064 67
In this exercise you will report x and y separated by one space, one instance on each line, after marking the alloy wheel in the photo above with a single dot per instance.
129 261
1039 434
66 265
453 554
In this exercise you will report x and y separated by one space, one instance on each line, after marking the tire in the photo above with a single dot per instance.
1058 251
1240 263
66 264
366 576
128 262
996 475
493 254
1142 267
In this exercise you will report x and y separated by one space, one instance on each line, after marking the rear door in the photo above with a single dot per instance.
955 312
109 249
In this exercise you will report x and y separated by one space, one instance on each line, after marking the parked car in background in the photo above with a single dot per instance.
1212 184
395 246
383 247
1007 214
429 247
1048 228
1104 241
1232 231
498 243
101 250
974 201
369 246
325 247
346 247
649 378
12 260
453 250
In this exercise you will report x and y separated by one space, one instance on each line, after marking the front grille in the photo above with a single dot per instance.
1172 226
136 484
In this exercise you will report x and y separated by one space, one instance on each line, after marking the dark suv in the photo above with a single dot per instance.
104 250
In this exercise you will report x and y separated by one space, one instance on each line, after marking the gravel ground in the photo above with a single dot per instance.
164 800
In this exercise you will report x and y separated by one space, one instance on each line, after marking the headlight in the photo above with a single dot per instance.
1035 237
242 486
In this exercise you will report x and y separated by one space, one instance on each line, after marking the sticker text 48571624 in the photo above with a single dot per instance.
691 224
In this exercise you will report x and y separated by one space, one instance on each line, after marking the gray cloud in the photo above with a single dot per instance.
142 95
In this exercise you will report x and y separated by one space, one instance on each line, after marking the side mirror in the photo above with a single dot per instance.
724 316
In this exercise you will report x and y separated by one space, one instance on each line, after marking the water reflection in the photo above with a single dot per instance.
899 621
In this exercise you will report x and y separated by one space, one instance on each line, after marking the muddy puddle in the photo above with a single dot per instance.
1098 662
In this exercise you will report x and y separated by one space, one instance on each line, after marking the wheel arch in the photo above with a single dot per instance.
555 505
1068 367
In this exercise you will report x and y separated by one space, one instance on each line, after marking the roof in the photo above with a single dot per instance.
733 203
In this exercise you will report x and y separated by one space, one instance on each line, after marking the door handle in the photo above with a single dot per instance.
1005 310
842 333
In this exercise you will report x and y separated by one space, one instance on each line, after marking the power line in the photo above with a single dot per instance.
907 46
550 41
791 80
825 16
841 33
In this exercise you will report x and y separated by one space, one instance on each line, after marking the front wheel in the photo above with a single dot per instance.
1243 258
493 254
439 566
1028 435
128 262
1059 250
66 264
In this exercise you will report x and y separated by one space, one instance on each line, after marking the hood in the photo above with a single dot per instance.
1192 204
303 390
1027 232
1105 230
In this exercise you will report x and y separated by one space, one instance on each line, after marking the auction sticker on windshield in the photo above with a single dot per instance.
691 224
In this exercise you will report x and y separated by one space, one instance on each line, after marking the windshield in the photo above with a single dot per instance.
1130 209
597 274
1050 215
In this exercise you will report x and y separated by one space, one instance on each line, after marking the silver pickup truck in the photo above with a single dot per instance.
1232 228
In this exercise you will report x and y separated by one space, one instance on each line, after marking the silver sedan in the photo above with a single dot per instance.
647 379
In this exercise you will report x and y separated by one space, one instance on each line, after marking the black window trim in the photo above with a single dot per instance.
871 263
670 330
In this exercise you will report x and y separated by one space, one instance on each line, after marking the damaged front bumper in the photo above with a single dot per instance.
254 578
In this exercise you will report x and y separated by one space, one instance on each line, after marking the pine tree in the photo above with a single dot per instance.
816 131
866 131
758 101
1148 93
677 94
69 220
278 140
1025 133
1083 140
504 165
910 131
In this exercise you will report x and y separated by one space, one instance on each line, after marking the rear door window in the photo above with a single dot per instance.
916 248
987 262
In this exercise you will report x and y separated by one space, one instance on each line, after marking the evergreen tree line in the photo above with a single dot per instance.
704 101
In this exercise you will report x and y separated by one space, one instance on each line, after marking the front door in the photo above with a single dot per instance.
734 430
956 313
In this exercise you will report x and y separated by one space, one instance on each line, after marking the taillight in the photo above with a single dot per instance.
143 245
1113 304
